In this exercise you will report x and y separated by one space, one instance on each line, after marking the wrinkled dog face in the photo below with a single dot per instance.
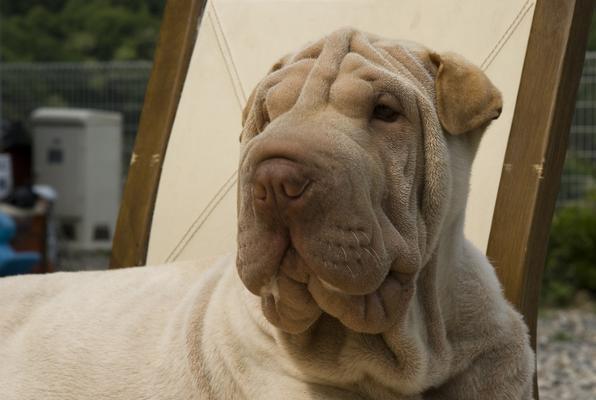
344 176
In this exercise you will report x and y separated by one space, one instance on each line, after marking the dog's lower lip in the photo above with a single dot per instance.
330 287
290 269
303 272
401 277
333 288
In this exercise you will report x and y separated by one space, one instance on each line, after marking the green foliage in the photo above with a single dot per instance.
79 30
571 261
592 34
562 336
578 165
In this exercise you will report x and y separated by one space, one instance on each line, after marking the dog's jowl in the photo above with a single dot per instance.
352 278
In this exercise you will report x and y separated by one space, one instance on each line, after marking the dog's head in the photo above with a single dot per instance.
346 176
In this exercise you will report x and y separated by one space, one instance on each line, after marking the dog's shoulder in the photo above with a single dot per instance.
96 332
482 313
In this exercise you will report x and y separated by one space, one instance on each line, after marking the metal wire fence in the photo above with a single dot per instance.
120 86
579 174
112 86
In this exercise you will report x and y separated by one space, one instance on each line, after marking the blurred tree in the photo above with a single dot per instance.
84 30
571 253
79 30
592 35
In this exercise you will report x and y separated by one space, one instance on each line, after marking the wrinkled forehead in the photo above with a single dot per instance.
348 50
348 67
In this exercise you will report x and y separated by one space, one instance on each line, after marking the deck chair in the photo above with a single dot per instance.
180 198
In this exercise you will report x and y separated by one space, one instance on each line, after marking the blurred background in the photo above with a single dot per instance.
72 80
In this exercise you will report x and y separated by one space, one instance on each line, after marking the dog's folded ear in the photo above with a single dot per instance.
248 106
250 102
251 99
466 98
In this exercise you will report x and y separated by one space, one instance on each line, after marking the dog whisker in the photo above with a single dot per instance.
376 255
370 254
345 254
360 253
351 272
366 237
356 237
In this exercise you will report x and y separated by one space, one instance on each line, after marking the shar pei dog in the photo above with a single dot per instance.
352 278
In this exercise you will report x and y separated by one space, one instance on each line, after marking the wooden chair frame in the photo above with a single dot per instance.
531 171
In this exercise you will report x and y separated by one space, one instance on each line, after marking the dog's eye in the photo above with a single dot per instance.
385 113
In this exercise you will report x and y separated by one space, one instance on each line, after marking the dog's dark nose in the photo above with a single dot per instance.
278 182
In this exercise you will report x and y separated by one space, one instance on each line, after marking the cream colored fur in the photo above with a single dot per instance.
399 306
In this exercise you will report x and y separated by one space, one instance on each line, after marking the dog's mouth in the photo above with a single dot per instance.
349 272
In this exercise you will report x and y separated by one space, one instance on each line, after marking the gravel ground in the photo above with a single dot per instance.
566 341
567 354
